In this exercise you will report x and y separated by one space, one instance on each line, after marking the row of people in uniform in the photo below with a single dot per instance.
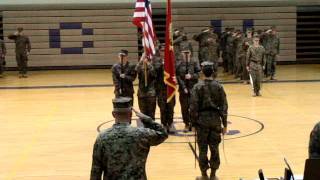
232 46
152 89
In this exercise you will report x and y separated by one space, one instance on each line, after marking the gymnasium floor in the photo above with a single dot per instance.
48 125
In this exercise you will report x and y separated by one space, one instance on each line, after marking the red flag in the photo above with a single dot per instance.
169 63
142 18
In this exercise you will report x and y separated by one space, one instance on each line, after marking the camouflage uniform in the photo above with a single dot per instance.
272 47
23 46
166 109
256 61
3 52
185 45
177 39
314 144
246 43
123 86
239 55
120 152
147 94
213 51
223 44
202 39
184 68
230 50
210 108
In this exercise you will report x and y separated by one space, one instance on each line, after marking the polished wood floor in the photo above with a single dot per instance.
47 131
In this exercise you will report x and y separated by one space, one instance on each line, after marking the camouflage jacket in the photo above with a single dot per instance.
126 84
161 87
230 44
255 57
120 152
272 44
176 46
209 104
314 144
184 68
23 44
3 49
149 90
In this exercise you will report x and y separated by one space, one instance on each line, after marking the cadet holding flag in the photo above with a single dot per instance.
187 76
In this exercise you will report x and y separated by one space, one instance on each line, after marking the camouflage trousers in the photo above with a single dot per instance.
184 103
166 110
2 65
147 106
256 75
238 66
245 73
22 62
208 138
270 65
224 62
230 61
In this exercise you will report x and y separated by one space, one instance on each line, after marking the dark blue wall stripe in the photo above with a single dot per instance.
87 44
72 50
87 31
66 25
247 23
217 24
54 44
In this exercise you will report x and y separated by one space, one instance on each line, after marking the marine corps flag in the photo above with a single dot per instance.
169 63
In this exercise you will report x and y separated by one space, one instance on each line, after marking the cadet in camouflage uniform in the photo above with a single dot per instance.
272 51
246 44
3 52
177 39
240 53
255 64
208 47
23 48
210 108
230 50
120 152
123 75
166 109
314 144
187 73
146 92
223 44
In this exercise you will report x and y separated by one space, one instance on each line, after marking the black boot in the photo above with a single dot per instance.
213 175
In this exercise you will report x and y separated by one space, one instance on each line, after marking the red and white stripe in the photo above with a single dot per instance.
142 18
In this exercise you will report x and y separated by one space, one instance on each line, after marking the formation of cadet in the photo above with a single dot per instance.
3 52
314 144
210 108
23 48
120 152
256 64
123 75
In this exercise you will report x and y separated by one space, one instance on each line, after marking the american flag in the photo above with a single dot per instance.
142 18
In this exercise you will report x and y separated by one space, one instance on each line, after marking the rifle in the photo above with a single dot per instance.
187 86
121 72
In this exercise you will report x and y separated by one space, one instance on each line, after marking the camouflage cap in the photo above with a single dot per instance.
123 52
20 29
122 104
